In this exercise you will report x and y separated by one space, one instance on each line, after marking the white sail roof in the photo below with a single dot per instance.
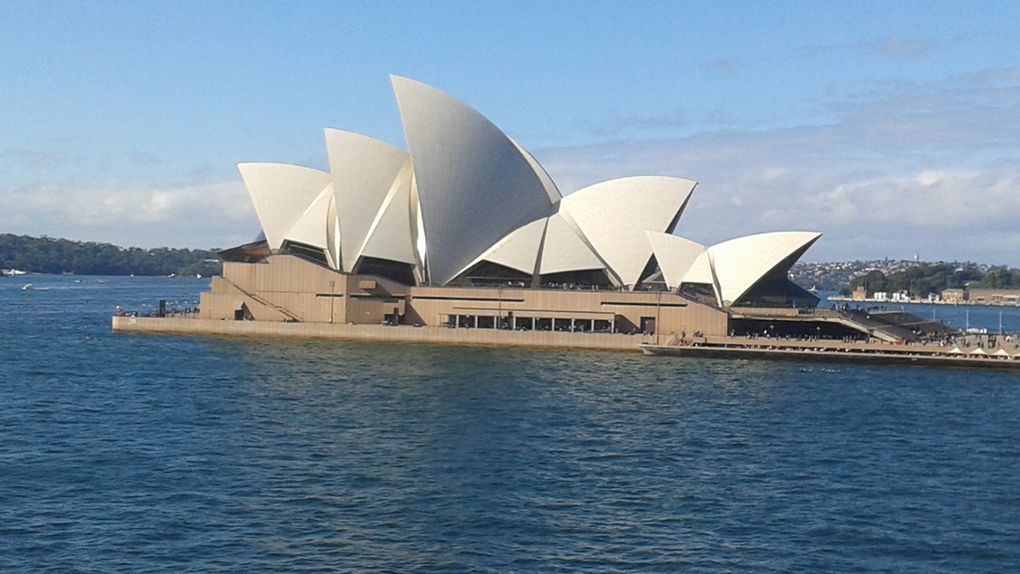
364 171
311 227
518 250
475 186
740 263
675 255
547 182
613 216
468 193
565 250
389 235
281 194
701 271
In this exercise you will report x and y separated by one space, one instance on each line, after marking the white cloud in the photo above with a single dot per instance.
188 215
929 169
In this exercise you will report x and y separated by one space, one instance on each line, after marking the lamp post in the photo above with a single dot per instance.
332 297
658 297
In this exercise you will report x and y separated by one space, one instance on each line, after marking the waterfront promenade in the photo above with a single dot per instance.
971 351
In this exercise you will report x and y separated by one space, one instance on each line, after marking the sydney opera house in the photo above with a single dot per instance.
466 229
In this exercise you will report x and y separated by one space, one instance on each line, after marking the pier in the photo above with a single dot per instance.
1001 357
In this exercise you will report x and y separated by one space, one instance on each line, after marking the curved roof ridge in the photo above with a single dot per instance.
543 175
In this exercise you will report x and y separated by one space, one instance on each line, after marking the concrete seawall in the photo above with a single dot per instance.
402 334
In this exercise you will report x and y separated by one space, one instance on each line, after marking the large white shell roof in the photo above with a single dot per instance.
465 192
474 184
740 263
732 267
281 193
364 171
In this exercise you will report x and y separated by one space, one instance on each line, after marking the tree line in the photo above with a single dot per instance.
921 280
50 255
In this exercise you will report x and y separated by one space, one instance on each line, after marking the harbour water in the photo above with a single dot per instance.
132 453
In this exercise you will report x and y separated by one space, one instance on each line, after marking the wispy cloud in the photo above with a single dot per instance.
894 47
724 66
617 124
34 159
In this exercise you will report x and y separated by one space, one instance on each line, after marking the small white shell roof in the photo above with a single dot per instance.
364 171
675 255
281 193
389 236
518 250
311 227
613 216
475 186
740 263
701 271
565 250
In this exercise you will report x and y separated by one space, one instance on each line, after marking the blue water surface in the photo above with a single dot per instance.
148 453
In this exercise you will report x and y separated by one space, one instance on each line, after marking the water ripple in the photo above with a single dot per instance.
129 453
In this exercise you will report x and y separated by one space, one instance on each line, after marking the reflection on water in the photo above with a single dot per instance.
165 453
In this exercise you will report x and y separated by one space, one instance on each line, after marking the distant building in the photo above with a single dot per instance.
954 295
1009 297
859 294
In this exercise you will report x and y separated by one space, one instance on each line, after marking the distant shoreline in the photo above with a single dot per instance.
23 254
842 299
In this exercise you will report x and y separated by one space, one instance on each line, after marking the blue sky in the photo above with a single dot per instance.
893 128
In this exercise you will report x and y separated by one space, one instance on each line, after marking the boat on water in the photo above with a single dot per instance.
13 272
30 287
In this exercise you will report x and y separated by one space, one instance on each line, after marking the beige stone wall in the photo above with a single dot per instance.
224 299
675 314
287 288
402 334
994 296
